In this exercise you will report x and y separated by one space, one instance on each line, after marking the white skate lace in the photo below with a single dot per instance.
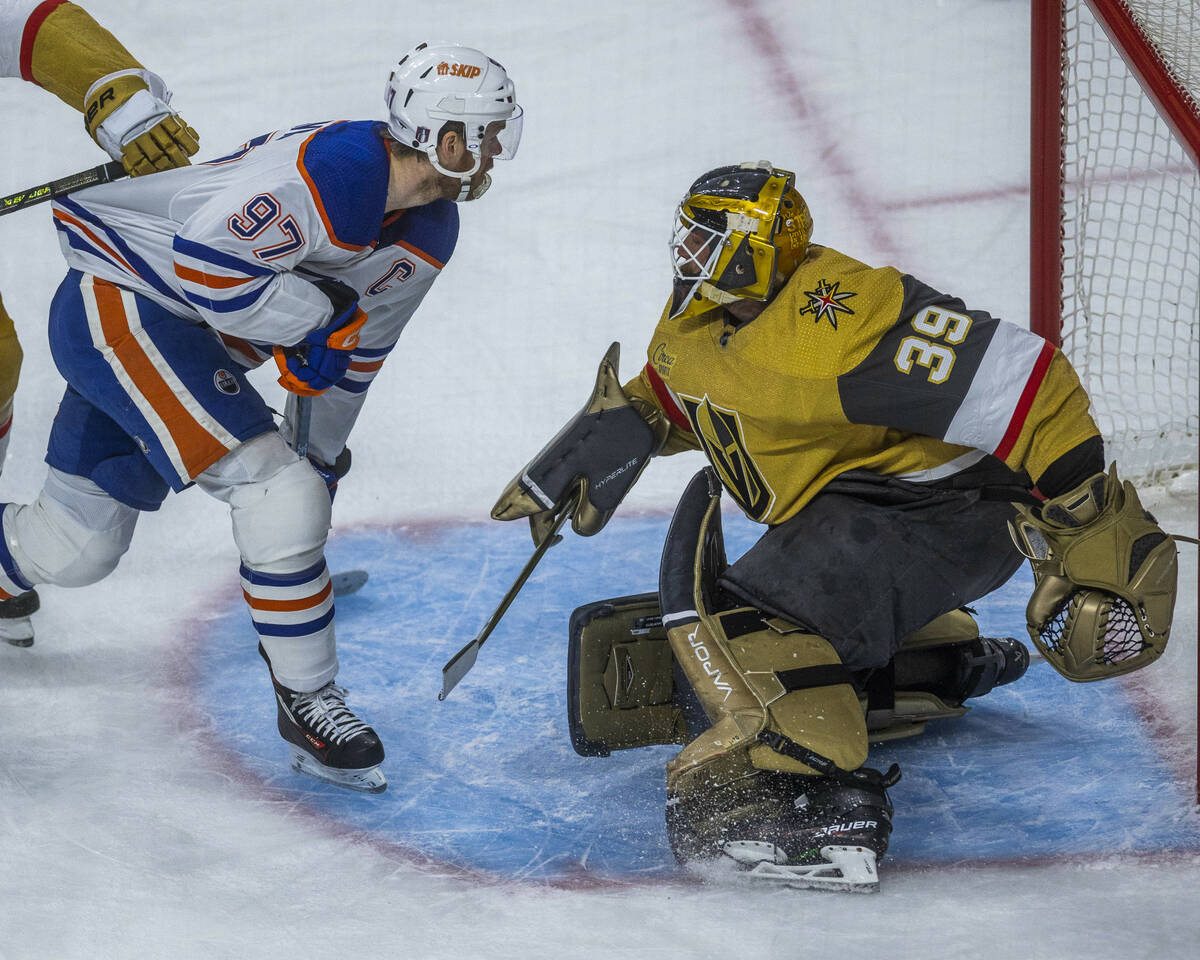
325 711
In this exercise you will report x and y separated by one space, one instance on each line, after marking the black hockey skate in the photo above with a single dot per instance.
989 662
820 832
328 741
15 612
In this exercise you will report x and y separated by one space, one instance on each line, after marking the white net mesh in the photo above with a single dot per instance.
1131 243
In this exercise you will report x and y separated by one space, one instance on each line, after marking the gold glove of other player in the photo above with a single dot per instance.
129 115
1106 579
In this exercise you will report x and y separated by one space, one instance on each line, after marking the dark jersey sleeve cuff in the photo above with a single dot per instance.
1072 468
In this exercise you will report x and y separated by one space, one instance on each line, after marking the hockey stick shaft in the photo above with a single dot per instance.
303 423
346 582
105 173
457 666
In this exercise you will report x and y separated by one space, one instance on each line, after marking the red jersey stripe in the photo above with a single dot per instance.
32 26
666 401
1032 385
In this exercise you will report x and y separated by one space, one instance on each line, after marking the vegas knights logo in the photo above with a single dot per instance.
720 433
827 301
468 70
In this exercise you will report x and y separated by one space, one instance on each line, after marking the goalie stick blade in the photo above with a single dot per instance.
847 869
457 666
348 582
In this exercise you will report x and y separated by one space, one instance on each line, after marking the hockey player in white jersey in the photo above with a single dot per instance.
126 110
310 248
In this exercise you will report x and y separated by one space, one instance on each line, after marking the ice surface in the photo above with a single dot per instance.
145 810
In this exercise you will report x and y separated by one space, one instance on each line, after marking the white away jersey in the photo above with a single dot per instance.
231 243
14 15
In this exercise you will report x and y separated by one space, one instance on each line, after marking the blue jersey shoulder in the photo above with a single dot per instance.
431 229
346 167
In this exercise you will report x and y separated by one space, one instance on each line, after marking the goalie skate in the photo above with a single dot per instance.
848 869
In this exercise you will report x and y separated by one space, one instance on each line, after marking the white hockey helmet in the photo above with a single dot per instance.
437 83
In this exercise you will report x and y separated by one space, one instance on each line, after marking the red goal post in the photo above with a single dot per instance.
1115 216
1115 219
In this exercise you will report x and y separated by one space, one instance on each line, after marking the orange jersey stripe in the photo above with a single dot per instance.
61 215
198 448
208 279
304 603
365 366
244 347
432 261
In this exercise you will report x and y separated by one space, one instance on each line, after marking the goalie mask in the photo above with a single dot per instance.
439 83
736 231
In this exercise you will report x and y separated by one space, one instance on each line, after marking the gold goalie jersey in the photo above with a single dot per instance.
856 367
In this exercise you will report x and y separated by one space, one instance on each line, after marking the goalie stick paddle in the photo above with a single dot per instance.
105 173
457 666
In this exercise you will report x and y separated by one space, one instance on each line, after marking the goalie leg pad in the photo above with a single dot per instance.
935 670
749 675
620 681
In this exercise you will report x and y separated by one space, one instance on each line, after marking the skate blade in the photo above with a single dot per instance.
19 633
367 780
847 869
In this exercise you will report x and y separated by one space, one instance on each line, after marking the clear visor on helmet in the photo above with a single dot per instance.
501 138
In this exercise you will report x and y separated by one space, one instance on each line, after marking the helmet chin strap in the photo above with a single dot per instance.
464 177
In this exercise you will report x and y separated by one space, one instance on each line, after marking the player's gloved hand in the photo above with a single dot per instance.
322 358
331 473
128 114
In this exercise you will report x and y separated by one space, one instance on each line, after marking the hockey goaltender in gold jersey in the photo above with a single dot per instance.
906 453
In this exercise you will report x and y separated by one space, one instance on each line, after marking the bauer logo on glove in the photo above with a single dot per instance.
129 114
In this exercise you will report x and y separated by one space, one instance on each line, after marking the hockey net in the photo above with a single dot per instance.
1115 269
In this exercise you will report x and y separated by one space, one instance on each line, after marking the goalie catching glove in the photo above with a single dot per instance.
1106 579
322 358
599 454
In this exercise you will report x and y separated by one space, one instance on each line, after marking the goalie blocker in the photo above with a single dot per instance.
774 728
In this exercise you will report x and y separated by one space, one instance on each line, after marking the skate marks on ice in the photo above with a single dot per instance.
487 782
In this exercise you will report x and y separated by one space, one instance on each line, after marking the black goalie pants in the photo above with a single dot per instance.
871 560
